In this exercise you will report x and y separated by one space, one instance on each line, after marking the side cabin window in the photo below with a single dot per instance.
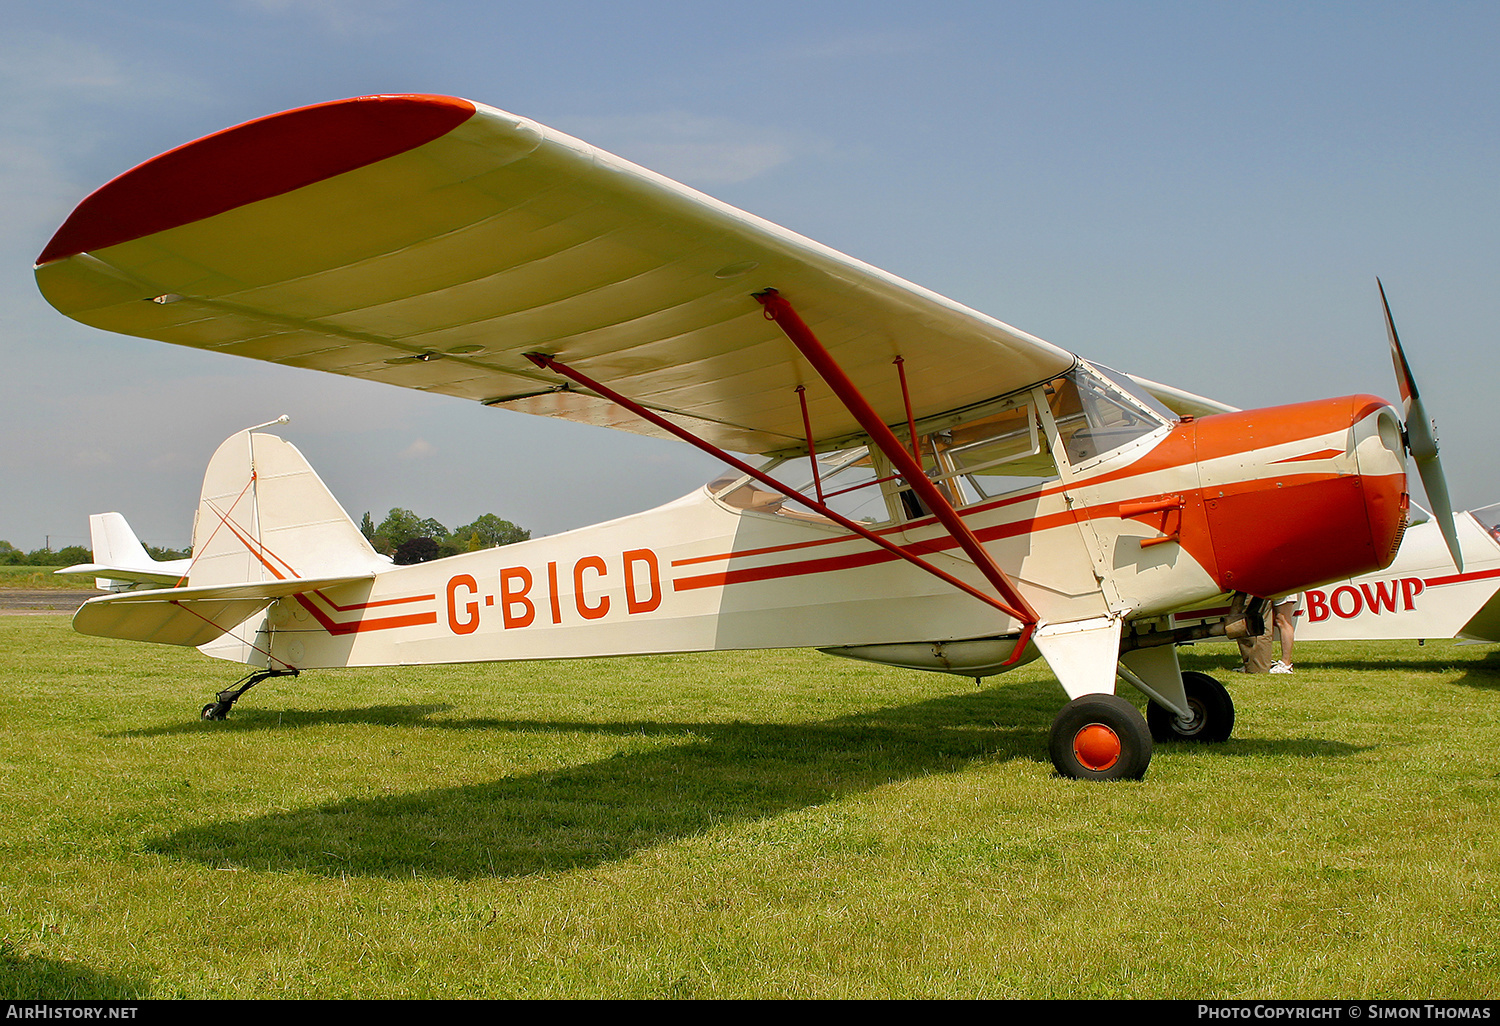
848 479
997 451
1004 447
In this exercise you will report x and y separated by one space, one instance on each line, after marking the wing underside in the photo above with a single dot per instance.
431 243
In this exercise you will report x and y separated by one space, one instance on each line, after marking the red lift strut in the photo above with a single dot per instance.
902 458
1010 602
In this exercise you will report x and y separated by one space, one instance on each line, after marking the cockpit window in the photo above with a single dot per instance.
1093 418
997 454
1003 450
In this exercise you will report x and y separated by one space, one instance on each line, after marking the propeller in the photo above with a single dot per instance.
1421 440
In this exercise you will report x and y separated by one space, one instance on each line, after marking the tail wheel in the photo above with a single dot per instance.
1100 737
1212 712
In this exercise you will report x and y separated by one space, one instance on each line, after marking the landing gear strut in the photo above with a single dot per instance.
224 700
1100 737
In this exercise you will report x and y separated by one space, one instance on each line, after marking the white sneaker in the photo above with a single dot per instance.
1280 667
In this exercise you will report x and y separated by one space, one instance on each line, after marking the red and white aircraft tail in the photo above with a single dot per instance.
265 515
266 527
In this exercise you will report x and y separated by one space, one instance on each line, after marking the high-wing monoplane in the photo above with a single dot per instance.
927 486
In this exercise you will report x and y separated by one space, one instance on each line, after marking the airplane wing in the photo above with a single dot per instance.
431 242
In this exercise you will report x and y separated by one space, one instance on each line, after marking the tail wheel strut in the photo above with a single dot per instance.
224 700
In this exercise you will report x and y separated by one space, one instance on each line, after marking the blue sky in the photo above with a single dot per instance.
1201 193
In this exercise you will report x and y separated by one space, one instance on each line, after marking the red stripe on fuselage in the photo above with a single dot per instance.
1475 575
328 623
361 626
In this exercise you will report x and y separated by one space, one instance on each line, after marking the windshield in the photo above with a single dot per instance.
1096 415
1489 518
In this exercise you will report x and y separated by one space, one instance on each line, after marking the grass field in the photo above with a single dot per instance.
33 577
776 824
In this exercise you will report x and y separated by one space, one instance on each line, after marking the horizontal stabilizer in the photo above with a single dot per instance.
121 561
190 616
115 576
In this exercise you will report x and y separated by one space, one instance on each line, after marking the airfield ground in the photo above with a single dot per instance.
16 600
774 824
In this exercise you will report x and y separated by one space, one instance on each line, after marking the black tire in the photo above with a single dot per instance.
214 711
1100 737
1213 712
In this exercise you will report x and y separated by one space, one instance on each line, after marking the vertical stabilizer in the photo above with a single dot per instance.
121 562
264 515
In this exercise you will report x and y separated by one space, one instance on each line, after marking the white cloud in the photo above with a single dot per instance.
690 147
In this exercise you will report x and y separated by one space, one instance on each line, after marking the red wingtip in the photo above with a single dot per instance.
253 161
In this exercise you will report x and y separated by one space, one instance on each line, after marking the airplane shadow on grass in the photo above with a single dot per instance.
604 811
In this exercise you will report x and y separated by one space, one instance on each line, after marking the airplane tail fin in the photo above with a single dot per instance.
265 515
267 528
120 561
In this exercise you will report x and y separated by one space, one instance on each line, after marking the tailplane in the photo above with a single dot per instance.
121 562
267 527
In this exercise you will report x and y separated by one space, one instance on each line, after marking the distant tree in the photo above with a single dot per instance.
159 553
489 530
63 557
416 550
402 525
10 555
72 555
367 527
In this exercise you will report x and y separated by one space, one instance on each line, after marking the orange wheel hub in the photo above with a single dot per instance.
1097 747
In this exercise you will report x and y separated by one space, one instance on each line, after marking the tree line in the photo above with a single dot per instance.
408 538
68 555
402 535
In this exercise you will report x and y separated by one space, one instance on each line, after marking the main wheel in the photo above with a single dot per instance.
1100 737
1212 708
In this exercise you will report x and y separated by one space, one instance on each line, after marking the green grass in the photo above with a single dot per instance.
776 824
37 577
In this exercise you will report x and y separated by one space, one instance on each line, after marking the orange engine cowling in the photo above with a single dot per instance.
1295 496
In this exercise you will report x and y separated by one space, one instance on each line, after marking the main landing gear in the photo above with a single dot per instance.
1212 710
224 700
1100 737
1104 737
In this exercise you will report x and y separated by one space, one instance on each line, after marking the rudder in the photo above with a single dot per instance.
264 514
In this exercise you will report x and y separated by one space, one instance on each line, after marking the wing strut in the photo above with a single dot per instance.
1024 613
786 318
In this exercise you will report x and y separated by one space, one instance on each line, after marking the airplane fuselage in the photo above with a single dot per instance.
1230 502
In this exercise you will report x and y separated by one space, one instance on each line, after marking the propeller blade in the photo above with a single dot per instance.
1421 440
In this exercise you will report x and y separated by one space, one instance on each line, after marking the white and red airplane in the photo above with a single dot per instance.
936 490
1421 594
